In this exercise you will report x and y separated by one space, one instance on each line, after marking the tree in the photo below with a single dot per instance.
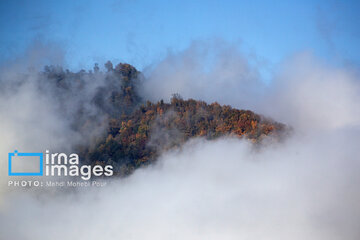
96 68
109 66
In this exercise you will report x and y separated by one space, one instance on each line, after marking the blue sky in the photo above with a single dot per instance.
142 32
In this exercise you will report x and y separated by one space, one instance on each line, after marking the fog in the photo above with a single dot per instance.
44 106
303 188
313 91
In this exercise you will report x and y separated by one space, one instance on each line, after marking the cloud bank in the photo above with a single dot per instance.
303 188
303 89
43 106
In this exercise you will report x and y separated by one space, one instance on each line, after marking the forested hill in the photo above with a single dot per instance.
139 130
137 139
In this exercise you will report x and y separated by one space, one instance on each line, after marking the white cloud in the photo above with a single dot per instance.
303 188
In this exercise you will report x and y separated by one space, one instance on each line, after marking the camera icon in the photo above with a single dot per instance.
25 164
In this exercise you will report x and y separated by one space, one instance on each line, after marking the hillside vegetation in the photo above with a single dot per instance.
138 130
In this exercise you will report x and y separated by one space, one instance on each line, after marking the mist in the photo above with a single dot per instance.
44 106
303 188
218 71
204 68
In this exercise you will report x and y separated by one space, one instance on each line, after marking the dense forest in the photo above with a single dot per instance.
137 130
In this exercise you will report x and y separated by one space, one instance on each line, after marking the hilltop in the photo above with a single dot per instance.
137 130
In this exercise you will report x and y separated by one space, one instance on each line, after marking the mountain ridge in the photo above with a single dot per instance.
138 130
